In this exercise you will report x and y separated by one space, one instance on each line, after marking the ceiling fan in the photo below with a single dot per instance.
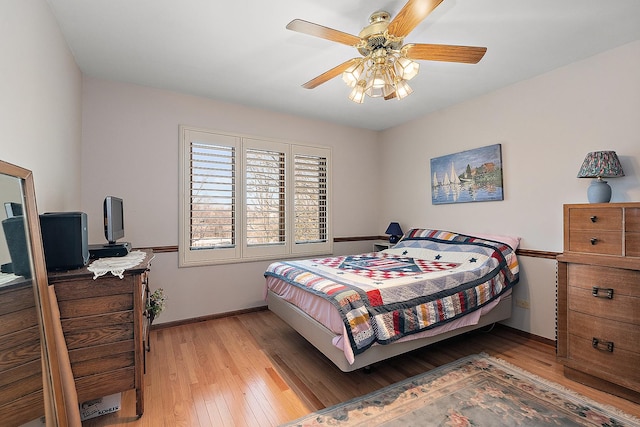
386 63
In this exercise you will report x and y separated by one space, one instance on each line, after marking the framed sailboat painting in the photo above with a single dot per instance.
468 176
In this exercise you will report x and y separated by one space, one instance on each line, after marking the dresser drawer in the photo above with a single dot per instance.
97 366
595 219
621 308
596 242
623 282
624 336
618 366
95 386
95 306
623 285
96 336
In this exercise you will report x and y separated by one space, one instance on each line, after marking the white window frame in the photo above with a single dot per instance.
241 251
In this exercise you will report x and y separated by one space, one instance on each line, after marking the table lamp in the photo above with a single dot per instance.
598 165
394 231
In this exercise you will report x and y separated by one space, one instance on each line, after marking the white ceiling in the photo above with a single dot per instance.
239 50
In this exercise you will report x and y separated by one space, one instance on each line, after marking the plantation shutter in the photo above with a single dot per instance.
213 206
265 197
265 186
310 199
209 208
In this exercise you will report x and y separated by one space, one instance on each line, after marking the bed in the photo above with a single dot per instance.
360 309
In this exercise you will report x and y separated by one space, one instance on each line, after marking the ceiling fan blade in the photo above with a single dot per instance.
410 16
328 75
443 52
323 32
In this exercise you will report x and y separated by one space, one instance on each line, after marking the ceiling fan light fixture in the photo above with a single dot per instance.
405 68
380 82
403 89
380 77
358 92
351 75
383 74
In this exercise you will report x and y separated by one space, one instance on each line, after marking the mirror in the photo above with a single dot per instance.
35 373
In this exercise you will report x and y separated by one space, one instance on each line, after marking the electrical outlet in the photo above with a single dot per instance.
522 303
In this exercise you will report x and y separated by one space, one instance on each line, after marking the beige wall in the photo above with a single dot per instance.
546 125
130 150
40 110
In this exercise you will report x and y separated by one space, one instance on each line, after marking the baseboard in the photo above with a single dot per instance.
208 317
529 335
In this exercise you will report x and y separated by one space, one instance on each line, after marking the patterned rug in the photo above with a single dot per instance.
477 390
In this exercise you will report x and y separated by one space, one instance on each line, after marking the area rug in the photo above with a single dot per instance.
478 390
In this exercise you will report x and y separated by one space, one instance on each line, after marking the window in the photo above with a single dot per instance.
245 199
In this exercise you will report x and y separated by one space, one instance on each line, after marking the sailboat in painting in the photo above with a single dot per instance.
454 176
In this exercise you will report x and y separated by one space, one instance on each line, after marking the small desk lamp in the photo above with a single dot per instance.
394 231
600 164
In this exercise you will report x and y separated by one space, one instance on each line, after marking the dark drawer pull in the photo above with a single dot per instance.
606 292
602 345
593 218
593 240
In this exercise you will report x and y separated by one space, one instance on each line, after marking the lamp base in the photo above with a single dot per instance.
599 191
393 239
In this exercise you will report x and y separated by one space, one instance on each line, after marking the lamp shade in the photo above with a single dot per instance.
394 231
601 164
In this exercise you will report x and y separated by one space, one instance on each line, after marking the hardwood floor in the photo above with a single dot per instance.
254 370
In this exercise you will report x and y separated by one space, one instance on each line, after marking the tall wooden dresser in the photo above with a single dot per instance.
599 297
103 323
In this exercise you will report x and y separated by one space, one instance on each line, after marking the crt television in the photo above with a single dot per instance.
113 219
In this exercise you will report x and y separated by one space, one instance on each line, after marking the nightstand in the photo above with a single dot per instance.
380 245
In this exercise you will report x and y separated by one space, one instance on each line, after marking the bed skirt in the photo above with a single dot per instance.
321 337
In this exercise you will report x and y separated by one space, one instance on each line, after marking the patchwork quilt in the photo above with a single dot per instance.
429 278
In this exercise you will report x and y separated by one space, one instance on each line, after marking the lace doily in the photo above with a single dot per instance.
8 277
115 265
